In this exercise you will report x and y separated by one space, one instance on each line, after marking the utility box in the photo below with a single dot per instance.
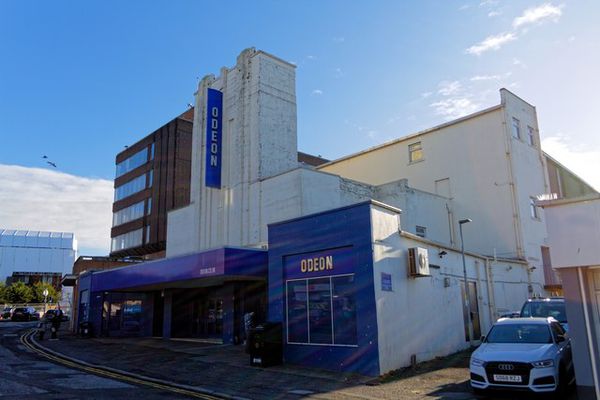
418 262
266 344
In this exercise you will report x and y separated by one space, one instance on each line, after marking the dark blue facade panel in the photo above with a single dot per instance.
301 249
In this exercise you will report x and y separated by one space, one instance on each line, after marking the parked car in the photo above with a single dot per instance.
24 314
546 307
50 314
523 354
6 313
510 314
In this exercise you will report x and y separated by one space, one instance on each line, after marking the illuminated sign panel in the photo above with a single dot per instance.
214 130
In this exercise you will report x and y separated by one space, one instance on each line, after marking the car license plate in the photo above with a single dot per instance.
507 378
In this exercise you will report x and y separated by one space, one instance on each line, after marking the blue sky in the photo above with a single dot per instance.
79 80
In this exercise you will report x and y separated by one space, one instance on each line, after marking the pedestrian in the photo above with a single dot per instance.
55 323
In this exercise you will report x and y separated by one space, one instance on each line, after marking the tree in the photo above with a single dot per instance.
3 297
38 292
19 292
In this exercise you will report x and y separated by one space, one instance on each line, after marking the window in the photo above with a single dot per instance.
322 311
152 151
130 213
149 206
421 231
415 152
148 234
133 186
533 208
131 163
516 128
530 136
150 178
127 240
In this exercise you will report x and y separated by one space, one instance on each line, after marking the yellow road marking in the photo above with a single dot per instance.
25 340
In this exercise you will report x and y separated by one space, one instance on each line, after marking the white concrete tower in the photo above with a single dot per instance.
259 140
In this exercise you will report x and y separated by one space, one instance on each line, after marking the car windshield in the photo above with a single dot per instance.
519 333
555 310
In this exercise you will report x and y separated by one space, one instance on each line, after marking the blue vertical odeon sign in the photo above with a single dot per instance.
214 130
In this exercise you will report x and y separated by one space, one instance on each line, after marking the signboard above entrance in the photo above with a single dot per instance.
320 263
214 130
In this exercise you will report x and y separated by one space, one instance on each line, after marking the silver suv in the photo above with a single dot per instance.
523 353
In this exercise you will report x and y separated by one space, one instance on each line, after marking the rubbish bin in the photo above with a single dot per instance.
266 344
85 329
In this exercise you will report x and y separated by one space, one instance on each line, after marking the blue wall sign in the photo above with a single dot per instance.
214 130
386 282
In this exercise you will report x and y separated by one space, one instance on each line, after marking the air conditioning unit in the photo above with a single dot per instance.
418 262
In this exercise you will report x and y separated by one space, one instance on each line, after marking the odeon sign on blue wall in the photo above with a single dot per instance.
322 263
214 130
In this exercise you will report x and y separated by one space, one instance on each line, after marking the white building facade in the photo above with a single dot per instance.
36 256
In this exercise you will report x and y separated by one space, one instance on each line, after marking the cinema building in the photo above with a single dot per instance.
358 258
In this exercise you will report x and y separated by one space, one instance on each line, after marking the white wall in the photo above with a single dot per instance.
574 233
31 259
423 316
489 177
429 210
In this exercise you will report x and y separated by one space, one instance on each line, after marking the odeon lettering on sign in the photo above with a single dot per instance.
316 264
320 263
214 130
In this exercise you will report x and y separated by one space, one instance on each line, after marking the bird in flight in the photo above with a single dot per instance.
44 156
51 164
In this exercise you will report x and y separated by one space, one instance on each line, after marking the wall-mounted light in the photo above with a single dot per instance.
442 253
532 269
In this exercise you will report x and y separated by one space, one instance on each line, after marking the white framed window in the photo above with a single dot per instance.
421 231
131 163
415 152
133 186
530 136
516 128
130 213
533 209
127 240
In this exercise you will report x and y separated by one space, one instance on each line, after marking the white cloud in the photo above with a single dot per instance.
317 92
585 162
449 88
311 57
426 94
454 107
478 78
339 39
338 73
494 13
464 7
491 43
539 14
40 199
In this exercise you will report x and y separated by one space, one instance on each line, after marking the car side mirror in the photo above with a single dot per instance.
482 338
560 339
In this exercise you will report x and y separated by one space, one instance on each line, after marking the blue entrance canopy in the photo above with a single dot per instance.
209 266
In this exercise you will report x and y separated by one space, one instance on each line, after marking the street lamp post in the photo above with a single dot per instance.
45 293
467 302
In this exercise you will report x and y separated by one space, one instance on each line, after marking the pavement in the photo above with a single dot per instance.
24 375
225 370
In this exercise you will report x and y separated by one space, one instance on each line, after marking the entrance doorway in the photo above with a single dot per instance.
473 313
208 315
